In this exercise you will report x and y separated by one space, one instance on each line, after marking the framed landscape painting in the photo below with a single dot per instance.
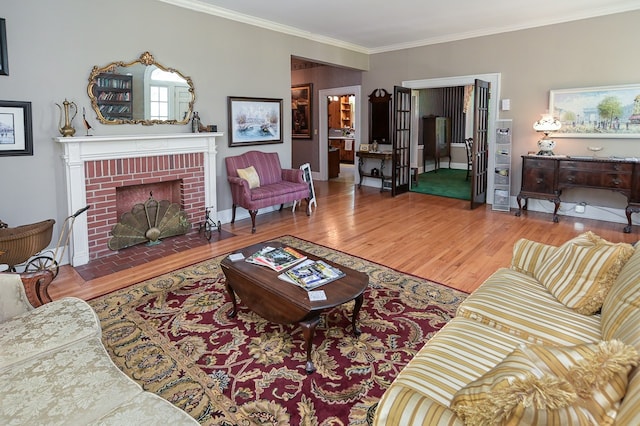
254 121
301 110
15 128
597 112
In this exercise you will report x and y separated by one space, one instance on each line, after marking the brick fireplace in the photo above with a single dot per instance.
101 169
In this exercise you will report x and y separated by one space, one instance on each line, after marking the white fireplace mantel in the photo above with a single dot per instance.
78 150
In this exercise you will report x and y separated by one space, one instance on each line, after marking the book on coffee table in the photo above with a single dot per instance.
311 274
277 259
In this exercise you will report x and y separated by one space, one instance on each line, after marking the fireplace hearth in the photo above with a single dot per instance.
96 166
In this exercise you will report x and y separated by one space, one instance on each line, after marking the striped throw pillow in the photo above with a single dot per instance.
547 385
527 254
580 272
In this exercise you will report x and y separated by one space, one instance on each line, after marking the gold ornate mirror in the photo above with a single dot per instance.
140 92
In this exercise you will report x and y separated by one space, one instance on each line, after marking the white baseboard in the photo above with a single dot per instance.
607 214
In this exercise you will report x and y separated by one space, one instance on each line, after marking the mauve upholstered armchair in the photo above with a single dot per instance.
273 185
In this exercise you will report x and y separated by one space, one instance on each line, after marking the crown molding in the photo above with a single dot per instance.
629 6
199 6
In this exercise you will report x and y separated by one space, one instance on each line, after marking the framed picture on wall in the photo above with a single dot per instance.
4 57
301 110
597 112
254 121
16 137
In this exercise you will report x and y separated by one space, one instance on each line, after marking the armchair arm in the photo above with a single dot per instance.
292 175
36 287
239 189
20 293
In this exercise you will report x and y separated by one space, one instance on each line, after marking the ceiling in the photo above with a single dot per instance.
373 26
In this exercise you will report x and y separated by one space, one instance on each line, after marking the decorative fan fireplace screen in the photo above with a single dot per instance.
149 222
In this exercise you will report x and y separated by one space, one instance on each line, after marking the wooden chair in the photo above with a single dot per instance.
468 144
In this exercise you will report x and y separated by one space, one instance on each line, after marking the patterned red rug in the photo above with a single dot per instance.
172 335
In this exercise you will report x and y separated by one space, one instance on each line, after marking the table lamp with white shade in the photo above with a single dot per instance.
547 124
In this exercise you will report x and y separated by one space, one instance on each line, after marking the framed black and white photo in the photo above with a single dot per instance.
254 121
4 57
16 137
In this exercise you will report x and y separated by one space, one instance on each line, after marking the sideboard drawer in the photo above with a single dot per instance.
539 180
606 180
538 163
597 166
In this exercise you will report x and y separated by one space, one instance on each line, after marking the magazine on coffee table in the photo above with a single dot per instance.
277 259
311 274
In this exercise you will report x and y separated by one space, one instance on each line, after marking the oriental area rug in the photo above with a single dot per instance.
172 335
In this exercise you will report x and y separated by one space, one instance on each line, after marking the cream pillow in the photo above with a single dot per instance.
581 272
250 175
544 385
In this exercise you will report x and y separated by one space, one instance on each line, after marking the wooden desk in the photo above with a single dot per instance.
546 177
382 156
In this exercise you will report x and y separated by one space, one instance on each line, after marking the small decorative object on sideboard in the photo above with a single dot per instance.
595 150
66 110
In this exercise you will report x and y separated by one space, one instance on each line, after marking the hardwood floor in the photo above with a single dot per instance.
432 237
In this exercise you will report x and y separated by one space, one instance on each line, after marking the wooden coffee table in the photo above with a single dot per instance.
281 302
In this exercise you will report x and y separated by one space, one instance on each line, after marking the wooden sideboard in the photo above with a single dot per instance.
546 177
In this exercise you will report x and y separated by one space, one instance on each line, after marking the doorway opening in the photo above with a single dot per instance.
492 107
339 131
445 121
341 121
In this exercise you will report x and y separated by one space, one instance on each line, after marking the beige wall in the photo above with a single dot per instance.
593 52
53 46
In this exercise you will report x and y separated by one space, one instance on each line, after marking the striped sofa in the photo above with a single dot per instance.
477 364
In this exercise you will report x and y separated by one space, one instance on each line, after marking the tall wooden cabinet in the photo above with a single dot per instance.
436 138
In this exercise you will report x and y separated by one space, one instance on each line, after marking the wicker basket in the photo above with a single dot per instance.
22 242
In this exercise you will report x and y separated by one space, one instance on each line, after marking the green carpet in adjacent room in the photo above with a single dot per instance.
450 183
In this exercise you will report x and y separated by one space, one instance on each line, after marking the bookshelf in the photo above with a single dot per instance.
345 112
114 95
